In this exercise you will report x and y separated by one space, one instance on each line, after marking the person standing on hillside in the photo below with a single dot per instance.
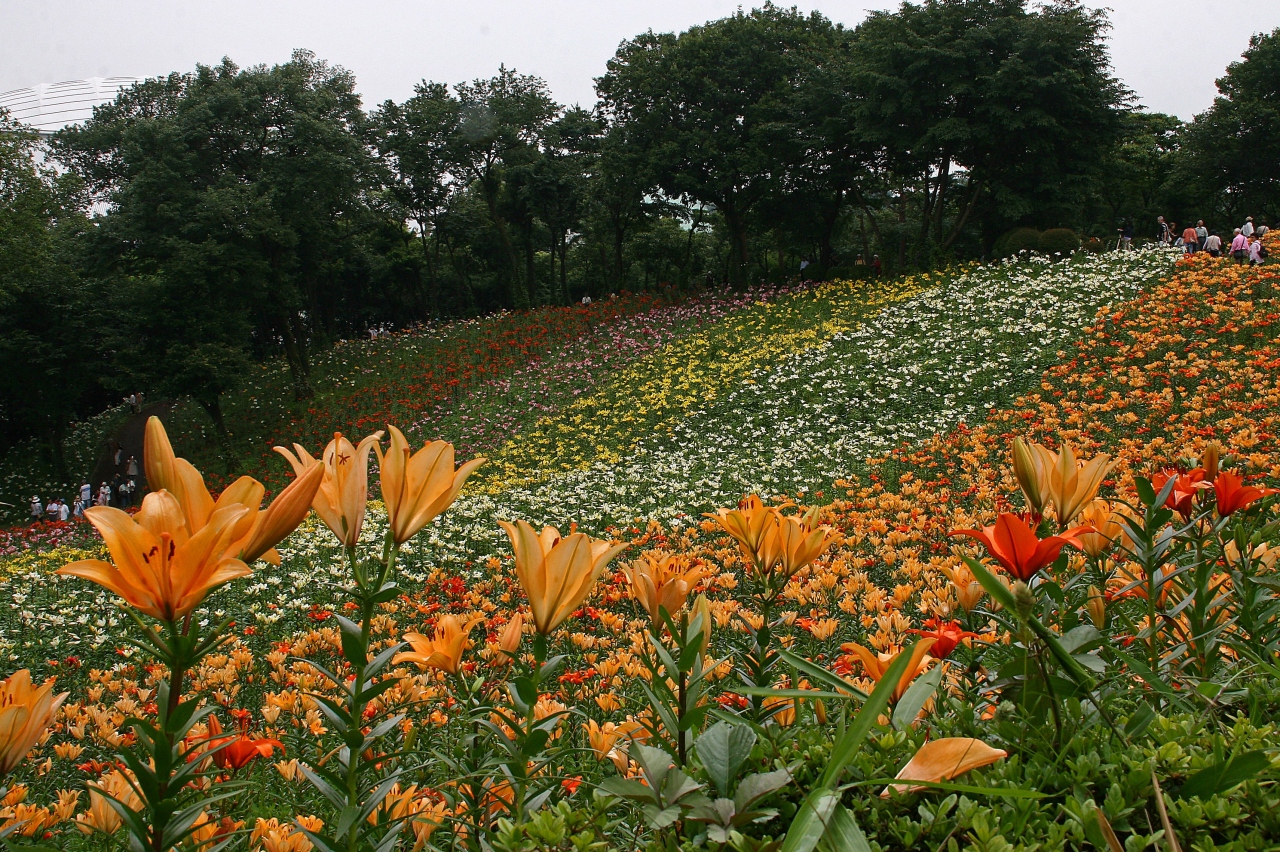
86 493
1202 234
1190 240
1239 246
1256 255
1213 245
131 467
1247 230
37 510
1162 231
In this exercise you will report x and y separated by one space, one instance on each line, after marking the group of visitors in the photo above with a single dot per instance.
1246 244
122 492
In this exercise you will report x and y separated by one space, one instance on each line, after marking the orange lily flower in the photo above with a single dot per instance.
235 751
444 650
101 816
1015 546
969 591
1233 495
877 664
1072 484
800 540
662 582
418 487
25 713
509 640
942 760
257 532
1100 516
557 573
161 569
1185 488
748 524
344 491
947 636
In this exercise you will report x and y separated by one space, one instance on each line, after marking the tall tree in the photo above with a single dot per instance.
1011 107
709 107
49 357
501 126
417 140
251 180
1232 150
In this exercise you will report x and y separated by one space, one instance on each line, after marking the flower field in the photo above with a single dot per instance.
932 600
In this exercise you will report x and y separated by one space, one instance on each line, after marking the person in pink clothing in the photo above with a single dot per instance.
1239 247
1255 252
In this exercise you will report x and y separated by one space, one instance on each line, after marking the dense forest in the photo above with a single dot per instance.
212 219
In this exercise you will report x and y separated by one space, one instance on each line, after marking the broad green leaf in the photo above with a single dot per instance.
1222 776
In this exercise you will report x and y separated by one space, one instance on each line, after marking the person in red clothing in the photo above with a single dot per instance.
1190 240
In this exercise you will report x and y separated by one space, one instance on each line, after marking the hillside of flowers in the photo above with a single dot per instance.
980 560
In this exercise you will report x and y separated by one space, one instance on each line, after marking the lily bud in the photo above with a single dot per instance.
820 711
1097 607
702 608
1027 472
1211 460
1024 599
509 641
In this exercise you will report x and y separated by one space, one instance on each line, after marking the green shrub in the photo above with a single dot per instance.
1017 240
1093 245
1061 241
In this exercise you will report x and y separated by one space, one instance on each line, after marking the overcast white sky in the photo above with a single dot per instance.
1168 51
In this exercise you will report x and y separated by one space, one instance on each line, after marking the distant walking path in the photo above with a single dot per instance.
129 440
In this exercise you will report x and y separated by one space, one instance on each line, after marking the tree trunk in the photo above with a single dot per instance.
296 356
564 276
530 271
964 216
739 256
830 218
213 407
514 292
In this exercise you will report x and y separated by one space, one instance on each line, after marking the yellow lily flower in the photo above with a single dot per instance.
25 713
101 816
418 487
557 573
344 491
161 569
1029 470
444 650
969 591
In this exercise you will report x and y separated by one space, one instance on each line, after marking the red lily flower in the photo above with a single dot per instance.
1014 544
1233 495
235 752
948 636
1182 498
